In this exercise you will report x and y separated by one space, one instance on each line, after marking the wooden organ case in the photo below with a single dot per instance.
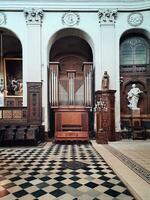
71 101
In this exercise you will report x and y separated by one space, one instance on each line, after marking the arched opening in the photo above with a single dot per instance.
70 87
10 69
134 69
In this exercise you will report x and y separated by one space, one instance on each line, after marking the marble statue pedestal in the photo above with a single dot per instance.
136 117
138 131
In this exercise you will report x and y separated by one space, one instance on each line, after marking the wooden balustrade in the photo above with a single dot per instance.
9 115
135 68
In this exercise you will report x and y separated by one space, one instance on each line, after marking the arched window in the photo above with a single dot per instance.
134 51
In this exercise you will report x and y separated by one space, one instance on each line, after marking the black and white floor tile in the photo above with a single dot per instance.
60 171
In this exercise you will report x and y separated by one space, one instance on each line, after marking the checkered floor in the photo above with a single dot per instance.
60 171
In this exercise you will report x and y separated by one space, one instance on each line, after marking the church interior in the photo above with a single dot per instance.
74 100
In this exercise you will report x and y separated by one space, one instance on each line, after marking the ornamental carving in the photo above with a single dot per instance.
135 19
34 16
70 19
2 18
107 16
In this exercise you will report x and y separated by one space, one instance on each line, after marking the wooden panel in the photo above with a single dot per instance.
106 118
58 121
11 101
34 102
7 114
85 123
71 123
16 115
71 118
71 135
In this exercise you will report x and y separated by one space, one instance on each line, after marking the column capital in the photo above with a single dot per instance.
33 16
107 16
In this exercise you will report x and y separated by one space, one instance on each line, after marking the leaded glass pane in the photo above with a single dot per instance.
140 54
134 51
126 55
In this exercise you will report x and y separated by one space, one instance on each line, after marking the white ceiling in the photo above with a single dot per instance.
75 4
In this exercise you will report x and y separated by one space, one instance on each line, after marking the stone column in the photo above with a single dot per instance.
109 53
34 23
32 70
32 52
107 20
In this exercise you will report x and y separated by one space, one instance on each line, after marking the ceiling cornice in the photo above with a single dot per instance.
74 6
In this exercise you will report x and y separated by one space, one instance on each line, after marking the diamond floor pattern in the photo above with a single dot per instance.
39 173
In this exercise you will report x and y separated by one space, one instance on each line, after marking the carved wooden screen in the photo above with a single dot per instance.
34 90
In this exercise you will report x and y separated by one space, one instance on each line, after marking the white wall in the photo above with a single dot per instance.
104 40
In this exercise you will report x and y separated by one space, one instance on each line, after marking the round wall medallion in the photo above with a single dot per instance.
135 19
70 19
2 18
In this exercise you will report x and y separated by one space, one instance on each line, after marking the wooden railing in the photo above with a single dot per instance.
135 68
13 115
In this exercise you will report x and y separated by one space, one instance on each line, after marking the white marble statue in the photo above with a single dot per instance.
133 97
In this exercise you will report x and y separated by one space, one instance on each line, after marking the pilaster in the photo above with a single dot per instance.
107 20
34 19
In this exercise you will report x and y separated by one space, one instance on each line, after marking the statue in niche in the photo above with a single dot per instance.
105 81
133 97
12 86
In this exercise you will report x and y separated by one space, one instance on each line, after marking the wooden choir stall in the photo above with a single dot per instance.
71 100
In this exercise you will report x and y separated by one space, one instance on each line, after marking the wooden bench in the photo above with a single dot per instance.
20 135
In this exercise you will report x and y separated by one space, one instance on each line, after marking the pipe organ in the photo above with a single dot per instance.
54 84
71 84
87 83
71 100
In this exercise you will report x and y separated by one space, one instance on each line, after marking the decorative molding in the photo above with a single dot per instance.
70 19
135 19
2 18
34 16
107 16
